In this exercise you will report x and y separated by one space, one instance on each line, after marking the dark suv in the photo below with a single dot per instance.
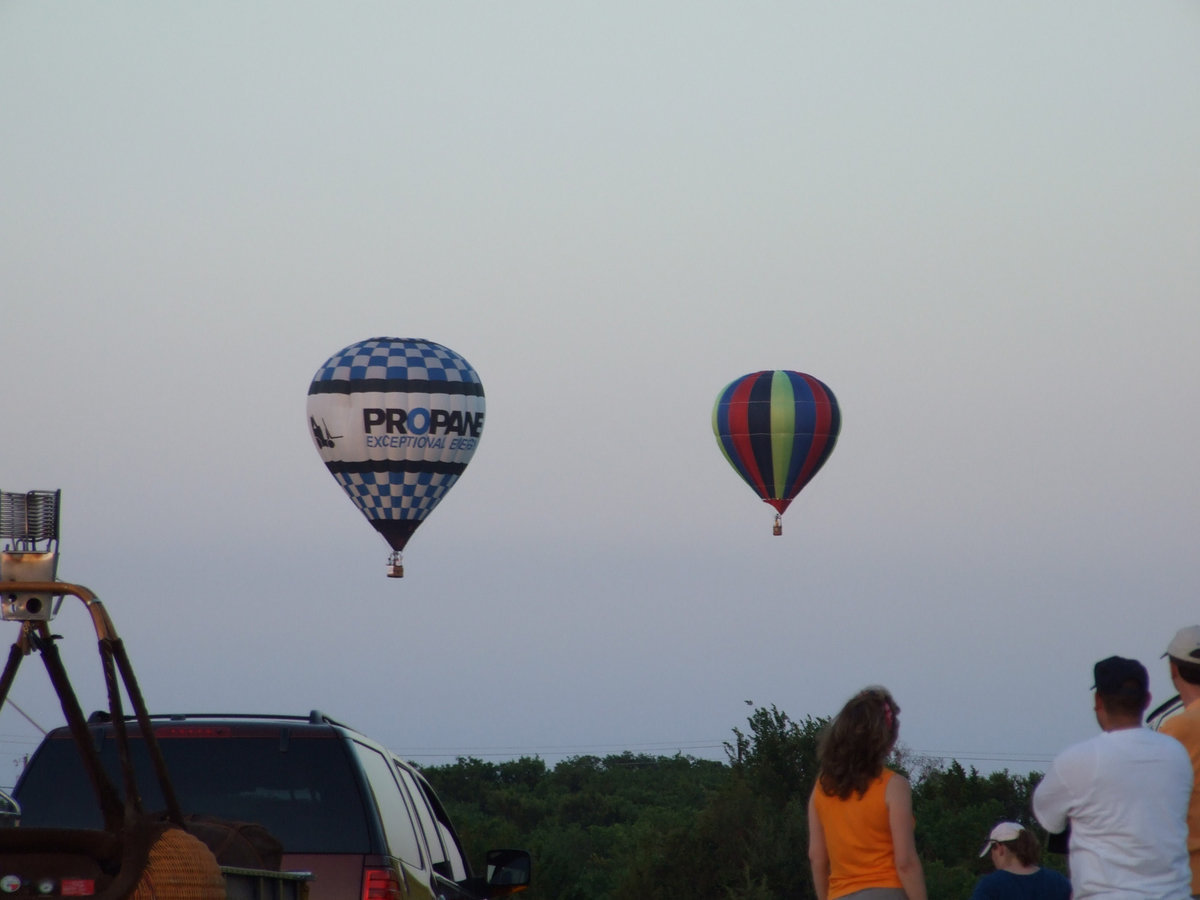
365 823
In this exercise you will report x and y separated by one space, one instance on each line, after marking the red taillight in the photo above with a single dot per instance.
381 884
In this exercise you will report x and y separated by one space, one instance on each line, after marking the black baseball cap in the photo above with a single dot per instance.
1118 675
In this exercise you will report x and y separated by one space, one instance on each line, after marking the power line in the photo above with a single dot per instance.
559 750
982 756
1029 757
28 718
648 747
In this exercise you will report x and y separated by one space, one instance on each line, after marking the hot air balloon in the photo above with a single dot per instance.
776 428
396 421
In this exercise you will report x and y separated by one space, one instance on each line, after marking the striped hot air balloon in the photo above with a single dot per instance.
396 421
776 428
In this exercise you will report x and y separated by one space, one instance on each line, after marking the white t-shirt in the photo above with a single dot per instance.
1125 794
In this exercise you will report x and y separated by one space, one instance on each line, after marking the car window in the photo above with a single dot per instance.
445 863
393 808
458 869
300 787
454 851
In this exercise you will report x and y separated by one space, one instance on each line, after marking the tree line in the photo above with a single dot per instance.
639 827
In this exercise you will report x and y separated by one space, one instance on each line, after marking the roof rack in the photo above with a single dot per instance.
315 717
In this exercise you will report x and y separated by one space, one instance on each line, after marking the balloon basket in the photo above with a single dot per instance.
395 566
778 529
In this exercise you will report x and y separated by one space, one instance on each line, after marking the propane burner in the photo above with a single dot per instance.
28 552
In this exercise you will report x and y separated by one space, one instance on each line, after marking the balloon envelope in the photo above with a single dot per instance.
396 421
776 428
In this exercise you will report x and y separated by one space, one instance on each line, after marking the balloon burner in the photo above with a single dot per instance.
29 540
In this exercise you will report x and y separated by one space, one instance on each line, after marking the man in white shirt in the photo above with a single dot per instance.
1124 794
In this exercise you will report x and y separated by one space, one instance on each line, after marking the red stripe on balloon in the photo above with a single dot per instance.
739 431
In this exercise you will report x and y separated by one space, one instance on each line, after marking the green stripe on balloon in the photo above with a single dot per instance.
783 426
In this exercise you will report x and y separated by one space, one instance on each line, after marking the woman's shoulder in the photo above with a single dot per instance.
897 793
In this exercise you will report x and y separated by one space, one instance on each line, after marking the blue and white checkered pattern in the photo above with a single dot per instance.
400 358
395 476
395 495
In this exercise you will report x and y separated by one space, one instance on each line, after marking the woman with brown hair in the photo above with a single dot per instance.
860 821
1016 854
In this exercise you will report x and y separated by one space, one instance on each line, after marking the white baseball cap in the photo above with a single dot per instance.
1185 646
1005 831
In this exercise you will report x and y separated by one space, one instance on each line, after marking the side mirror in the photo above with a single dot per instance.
10 811
508 870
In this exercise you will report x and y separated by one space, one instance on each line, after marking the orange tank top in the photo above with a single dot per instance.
858 837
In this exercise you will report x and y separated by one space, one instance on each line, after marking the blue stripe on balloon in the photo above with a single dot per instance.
397 466
758 420
723 429
396 386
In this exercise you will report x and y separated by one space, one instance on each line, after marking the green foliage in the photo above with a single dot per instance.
585 821
637 827
956 809
948 882
779 757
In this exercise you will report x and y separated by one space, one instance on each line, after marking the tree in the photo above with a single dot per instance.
635 827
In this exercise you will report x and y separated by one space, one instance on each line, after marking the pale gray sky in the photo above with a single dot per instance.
979 224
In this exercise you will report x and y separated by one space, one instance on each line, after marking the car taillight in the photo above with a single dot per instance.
381 884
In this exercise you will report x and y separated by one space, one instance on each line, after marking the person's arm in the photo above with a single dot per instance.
1052 801
818 852
904 846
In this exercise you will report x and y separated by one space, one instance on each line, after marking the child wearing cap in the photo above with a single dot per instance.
1015 854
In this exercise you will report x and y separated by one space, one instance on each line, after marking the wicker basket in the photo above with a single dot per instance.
180 867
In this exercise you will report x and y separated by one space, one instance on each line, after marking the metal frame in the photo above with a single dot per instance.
35 637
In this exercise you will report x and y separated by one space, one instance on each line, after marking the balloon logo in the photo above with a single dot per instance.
776 428
396 420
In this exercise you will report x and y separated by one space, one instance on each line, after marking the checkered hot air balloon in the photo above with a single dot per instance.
396 421
776 428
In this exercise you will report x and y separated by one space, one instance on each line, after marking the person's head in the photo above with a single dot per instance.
1122 692
1012 845
856 743
1184 655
